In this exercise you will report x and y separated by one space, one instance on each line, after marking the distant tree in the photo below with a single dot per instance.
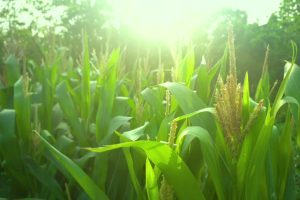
247 46
251 40
288 21
289 11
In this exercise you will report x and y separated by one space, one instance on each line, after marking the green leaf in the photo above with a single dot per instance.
107 95
137 133
281 90
6 97
48 92
77 173
171 165
11 70
189 115
130 163
293 83
44 178
263 89
292 89
117 122
189 102
23 110
209 153
151 182
186 68
132 173
114 124
9 146
153 97
256 167
65 101
282 151
204 82
164 129
246 100
85 82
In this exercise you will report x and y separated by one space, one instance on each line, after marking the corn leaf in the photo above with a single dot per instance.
151 182
9 147
11 70
107 96
77 173
170 164
65 101
23 110
85 90
209 153
189 102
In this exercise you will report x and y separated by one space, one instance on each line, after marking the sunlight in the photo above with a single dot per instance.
166 20
161 20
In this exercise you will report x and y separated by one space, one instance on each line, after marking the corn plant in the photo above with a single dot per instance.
96 131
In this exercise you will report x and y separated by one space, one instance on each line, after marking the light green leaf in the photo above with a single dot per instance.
189 102
246 100
116 122
171 165
86 88
137 133
151 182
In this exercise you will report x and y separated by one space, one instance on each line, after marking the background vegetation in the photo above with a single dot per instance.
60 24
89 111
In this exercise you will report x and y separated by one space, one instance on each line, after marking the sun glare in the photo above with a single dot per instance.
166 20
161 19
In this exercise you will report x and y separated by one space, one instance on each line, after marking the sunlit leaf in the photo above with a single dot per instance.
170 164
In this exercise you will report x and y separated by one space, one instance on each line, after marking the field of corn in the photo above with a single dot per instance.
99 131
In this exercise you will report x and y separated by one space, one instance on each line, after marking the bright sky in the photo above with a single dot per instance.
151 19
257 10
164 19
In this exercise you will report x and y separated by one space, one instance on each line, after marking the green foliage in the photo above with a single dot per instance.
92 129
83 179
178 147
169 163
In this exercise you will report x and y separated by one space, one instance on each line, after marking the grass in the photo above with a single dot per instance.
98 132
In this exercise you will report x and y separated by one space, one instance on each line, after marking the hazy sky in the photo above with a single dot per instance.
257 10
171 18
152 18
